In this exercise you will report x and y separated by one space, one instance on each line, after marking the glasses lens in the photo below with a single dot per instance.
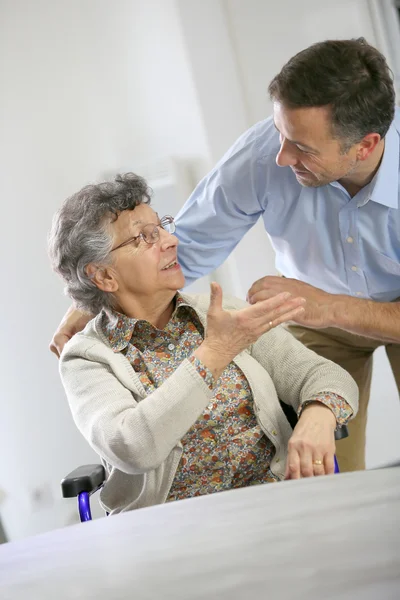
168 224
150 233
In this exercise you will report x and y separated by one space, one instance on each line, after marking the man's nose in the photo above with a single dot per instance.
286 156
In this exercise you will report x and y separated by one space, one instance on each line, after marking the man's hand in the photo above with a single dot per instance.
73 321
311 448
318 307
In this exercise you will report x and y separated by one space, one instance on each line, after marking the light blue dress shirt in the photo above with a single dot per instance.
320 235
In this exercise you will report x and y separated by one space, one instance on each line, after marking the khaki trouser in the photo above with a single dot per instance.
353 353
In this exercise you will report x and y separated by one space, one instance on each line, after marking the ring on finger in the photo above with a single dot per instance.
318 462
270 323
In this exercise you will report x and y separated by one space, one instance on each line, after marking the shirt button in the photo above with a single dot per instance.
354 268
274 432
171 347
350 240
278 459
359 293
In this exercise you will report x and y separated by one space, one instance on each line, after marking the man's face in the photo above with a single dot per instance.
309 148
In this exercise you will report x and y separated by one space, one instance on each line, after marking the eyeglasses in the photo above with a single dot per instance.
151 233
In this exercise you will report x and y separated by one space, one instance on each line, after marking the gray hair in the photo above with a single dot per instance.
80 235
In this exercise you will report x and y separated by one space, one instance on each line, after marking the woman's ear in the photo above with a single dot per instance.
103 277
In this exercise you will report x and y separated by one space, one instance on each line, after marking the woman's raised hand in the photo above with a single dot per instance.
229 332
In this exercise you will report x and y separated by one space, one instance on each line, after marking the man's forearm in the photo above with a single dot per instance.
379 320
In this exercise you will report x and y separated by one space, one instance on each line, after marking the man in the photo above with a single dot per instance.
323 173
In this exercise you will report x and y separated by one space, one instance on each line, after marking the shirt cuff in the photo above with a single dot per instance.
203 371
338 405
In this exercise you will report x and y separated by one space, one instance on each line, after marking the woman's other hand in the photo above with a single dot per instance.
311 448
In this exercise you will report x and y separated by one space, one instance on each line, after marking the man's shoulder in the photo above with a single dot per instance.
262 137
259 143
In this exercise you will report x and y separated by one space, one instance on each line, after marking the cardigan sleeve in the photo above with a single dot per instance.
298 373
134 436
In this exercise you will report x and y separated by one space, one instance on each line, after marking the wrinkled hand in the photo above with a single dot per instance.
73 321
317 313
229 332
313 439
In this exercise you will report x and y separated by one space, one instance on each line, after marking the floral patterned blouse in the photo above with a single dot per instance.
225 448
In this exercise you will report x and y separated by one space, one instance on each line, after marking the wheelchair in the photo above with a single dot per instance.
84 481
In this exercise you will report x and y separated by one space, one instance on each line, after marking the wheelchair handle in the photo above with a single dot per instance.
341 433
87 478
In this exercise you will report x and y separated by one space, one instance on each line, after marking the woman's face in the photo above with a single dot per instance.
144 270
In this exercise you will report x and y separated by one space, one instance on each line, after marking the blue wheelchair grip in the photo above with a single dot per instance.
336 464
84 507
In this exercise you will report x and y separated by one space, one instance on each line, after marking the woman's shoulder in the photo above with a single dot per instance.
89 340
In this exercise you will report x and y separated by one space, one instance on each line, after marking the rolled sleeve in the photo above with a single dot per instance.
338 405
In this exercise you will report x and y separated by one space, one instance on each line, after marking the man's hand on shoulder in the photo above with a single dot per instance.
73 321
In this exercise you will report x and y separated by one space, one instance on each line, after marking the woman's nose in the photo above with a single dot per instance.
167 240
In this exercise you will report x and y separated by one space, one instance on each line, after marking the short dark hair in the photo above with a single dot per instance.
350 76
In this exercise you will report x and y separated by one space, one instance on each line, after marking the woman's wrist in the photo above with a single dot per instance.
319 410
215 359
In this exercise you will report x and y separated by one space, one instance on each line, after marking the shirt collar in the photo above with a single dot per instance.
386 186
118 328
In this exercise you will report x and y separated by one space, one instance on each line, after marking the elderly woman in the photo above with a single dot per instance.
179 394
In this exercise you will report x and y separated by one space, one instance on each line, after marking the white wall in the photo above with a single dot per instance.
86 86
89 87
383 439
266 33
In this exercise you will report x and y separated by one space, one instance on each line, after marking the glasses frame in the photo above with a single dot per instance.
166 220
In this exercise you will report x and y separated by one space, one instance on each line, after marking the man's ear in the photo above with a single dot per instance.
102 277
367 145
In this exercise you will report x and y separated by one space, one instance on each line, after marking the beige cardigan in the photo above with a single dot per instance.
138 437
